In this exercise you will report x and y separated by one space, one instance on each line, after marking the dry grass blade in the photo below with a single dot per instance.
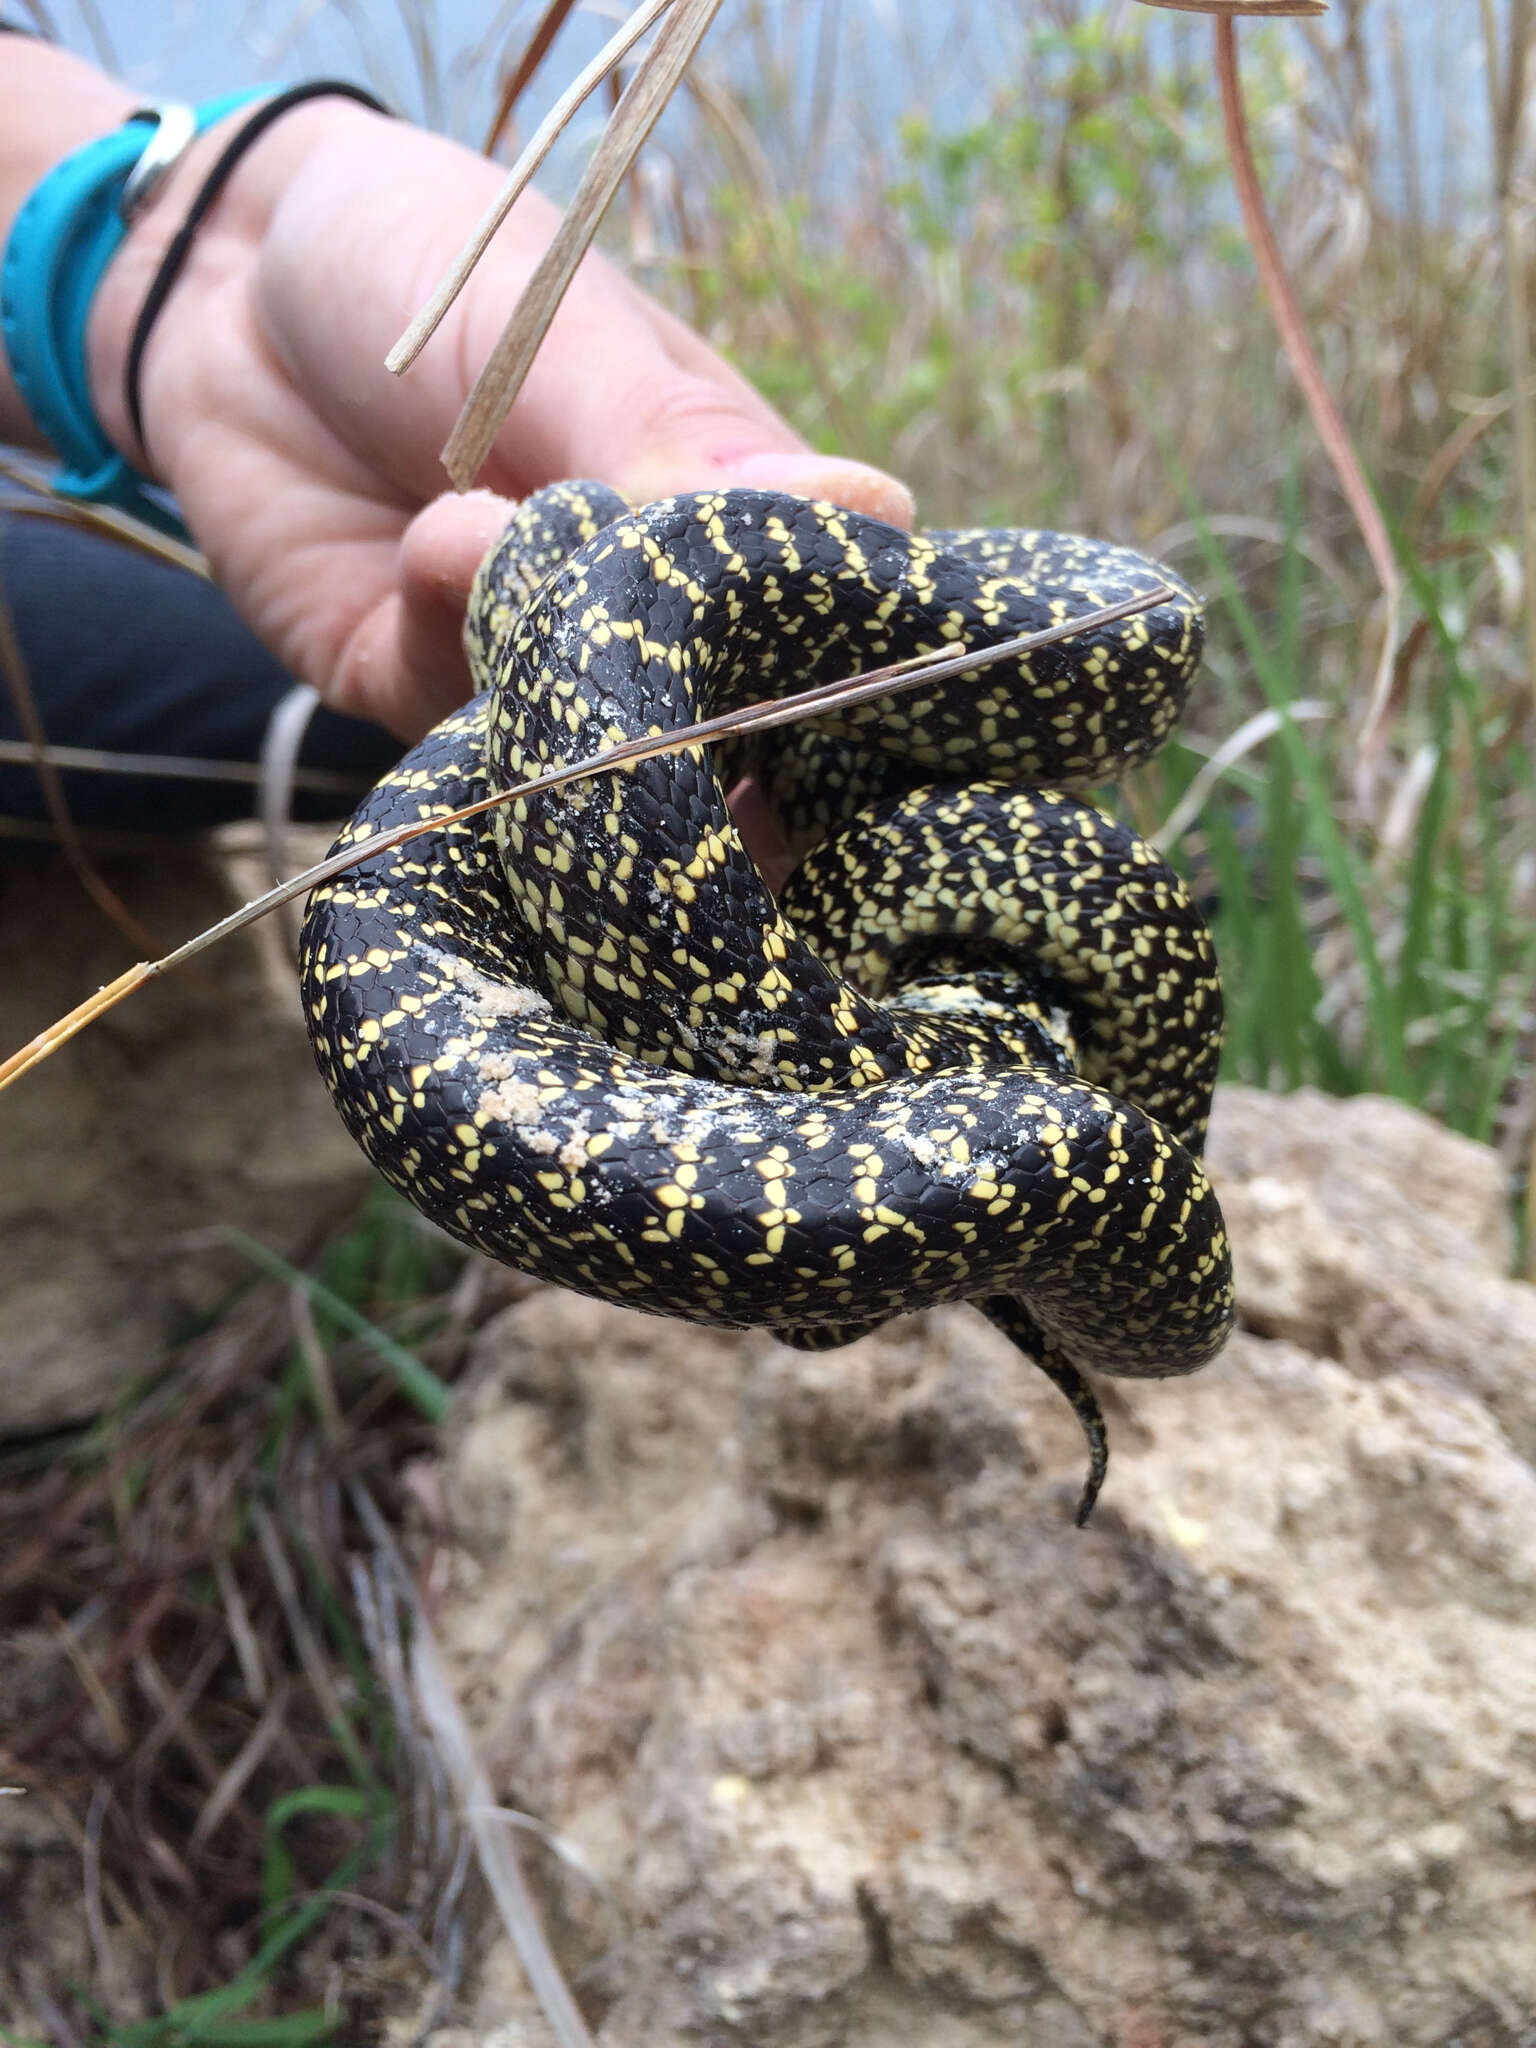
93 1686
521 76
103 519
237 1619
476 1802
1448 458
763 717
176 1710
95 1918
637 113
493 1849
60 1033
424 326
36 1740
175 767
232 1781
1253 732
304 1638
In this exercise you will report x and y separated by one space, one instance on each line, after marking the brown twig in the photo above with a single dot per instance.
1505 110
1229 8
1505 122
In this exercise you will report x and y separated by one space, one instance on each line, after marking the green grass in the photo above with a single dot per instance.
355 1262
1427 934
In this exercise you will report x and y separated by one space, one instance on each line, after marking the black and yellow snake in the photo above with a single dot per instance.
968 1056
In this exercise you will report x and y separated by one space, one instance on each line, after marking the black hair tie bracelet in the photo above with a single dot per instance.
174 260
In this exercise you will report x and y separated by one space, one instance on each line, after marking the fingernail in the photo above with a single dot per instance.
807 475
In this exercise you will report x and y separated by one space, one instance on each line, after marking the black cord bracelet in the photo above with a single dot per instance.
174 259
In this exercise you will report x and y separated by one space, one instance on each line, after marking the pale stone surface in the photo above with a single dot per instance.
872 1747
1368 1234
194 1103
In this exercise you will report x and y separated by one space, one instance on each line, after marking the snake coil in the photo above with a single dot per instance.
970 1053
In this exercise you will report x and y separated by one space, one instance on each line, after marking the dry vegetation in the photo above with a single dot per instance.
1036 302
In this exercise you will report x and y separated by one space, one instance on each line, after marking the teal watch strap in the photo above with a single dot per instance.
62 241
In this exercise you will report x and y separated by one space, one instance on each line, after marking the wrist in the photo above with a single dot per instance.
51 104
217 287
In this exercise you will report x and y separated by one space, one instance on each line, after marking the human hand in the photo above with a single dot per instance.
310 476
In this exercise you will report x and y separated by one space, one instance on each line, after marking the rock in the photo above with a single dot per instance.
194 1103
871 1747
1398 1264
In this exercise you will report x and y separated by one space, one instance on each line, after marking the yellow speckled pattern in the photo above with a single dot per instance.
969 1056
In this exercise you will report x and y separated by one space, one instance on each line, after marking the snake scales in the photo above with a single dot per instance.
970 1053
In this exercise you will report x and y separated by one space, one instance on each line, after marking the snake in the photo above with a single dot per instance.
966 1053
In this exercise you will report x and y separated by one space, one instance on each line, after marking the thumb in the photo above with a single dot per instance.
403 662
799 471
624 393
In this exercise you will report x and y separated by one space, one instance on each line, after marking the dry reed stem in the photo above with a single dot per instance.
637 113
521 76
1297 341
425 325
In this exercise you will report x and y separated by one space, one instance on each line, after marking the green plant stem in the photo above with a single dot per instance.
415 1381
